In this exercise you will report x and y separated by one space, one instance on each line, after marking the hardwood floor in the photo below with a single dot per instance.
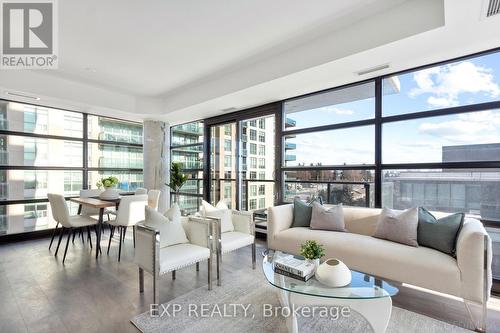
39 294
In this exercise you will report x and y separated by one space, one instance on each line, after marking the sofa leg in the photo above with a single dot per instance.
141 280
253 255
197 266
173 275
481 329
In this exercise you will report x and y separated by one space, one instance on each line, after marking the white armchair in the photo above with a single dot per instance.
243 235
157 260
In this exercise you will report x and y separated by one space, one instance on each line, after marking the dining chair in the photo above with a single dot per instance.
130 212
60 212
154 199
140 190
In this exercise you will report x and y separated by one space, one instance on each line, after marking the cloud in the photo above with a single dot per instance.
466 128
332 109
446 83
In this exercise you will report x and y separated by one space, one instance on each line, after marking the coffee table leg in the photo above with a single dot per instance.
377 311
291 320
99 227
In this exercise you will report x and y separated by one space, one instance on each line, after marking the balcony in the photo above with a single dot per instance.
290 157
290 123
290 146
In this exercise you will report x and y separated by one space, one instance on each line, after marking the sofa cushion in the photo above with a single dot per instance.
420 266
327 218
398 226
439 234
301 213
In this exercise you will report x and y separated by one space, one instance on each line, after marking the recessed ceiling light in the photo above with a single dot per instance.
22 95
90 69
229 109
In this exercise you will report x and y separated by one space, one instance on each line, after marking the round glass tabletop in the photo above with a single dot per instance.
362 286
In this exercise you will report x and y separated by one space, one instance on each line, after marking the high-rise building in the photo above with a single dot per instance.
48 140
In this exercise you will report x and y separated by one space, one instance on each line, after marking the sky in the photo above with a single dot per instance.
467 82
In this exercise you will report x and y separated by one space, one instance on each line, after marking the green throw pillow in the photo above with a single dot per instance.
439 234
302 213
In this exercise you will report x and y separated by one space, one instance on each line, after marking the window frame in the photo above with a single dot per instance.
83 168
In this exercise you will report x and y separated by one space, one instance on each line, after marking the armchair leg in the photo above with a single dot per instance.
197 266
173 275
219 261
141 280
209 273
156 290
253 255
133 234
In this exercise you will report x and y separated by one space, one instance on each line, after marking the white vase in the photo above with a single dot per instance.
333 273
315 262
109 193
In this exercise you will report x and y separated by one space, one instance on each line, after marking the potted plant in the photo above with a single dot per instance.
109 184
177 179
312 251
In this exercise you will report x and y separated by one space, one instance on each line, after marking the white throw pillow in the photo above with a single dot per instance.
171 232
327 218
174 213
222 211
398 226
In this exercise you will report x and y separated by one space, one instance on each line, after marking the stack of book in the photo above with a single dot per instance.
294 267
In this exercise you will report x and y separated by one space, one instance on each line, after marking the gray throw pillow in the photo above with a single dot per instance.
331 218
396 226
301 213
439 234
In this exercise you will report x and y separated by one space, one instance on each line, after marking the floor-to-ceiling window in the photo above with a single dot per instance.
328 148
428 137
187 148
242 158
42 151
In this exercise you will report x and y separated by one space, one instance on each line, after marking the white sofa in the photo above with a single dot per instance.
420 266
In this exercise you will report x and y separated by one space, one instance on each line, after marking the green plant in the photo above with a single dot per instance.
312 250
107 182
177 178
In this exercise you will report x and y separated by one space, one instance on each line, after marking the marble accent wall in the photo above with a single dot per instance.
157 159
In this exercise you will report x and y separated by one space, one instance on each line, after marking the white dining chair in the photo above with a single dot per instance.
154 199
140 190
60 212
130 212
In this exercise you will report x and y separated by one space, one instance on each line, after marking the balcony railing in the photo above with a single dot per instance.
344 196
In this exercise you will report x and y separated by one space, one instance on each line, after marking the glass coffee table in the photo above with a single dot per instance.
367 295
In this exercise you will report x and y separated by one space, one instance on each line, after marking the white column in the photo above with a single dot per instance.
157 159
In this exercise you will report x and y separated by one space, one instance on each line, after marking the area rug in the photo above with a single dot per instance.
238 306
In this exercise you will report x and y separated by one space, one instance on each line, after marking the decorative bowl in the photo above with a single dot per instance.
333 273
110 193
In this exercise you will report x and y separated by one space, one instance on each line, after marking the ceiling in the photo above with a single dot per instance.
185 60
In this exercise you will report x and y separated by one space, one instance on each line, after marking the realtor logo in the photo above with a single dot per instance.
29 39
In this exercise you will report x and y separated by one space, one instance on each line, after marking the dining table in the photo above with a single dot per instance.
101 205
